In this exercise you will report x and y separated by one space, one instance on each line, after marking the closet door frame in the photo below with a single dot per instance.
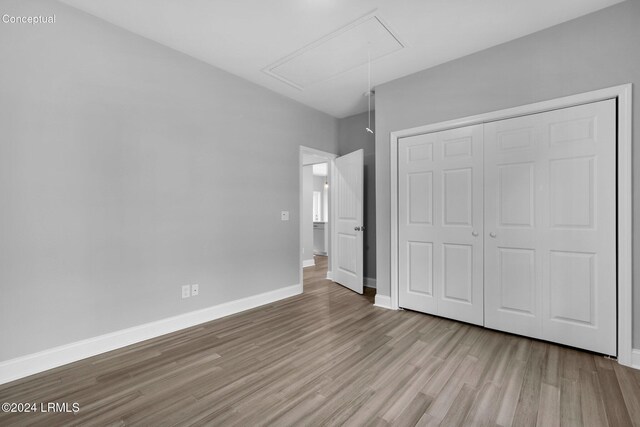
622 94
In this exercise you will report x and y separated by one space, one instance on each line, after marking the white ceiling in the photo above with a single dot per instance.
251 38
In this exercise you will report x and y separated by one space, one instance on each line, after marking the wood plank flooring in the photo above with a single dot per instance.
329 357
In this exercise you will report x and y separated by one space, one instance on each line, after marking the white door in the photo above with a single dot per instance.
347 234
440 182
550 229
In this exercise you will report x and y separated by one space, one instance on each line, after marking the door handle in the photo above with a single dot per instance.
474 233
361 228
492 235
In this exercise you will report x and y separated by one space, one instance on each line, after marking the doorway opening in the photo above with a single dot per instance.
315 212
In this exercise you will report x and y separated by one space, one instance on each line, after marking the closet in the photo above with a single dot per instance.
511 224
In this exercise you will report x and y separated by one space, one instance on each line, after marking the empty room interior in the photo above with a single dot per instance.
319 212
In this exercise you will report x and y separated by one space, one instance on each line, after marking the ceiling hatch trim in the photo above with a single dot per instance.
337 52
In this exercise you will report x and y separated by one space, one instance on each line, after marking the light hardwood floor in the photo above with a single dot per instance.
328 357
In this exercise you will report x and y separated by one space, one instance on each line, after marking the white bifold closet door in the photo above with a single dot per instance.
512 224
550 242
440 223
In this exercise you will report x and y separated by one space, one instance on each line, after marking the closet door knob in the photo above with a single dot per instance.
474 233
492 235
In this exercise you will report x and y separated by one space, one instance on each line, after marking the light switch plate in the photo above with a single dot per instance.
186 291
284 215
195 290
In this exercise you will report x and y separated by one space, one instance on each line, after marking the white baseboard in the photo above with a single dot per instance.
635 358
308 263
30 364
370 282
330 275
383 301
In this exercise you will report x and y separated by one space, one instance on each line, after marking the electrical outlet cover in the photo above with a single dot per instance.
195 290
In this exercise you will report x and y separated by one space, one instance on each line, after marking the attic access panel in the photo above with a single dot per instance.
336 53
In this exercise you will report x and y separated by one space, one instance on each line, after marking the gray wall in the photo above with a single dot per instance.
596 51
318 183
352 136
127 170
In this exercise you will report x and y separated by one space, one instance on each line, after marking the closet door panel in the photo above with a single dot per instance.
513 265
418 193
440 223
579 295
550 226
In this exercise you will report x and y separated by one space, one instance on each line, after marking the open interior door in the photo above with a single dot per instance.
348 231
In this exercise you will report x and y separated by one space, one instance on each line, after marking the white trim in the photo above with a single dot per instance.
625 260
383 301
330 275
319 153
635 358
370 282
330 158
393 298
308 263
30 364
625 213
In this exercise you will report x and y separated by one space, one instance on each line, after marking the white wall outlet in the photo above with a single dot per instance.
284 215
186 291
195 290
